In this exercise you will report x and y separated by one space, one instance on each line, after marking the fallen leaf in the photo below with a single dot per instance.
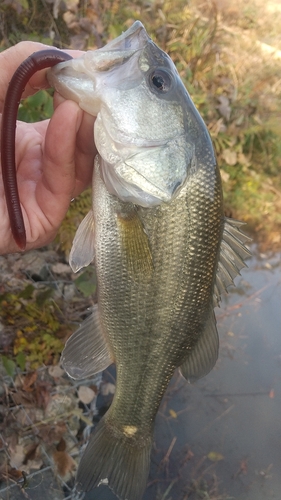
61 446
30 453
10 473
224 107
272 394
107 388
224 175
173 413
244 466
28 381
229 156
243 160
64 462
52 433
23 398
43 394
72 5
17 456
215 456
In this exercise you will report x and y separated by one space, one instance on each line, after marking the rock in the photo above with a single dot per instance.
56 371
86 394
60 268
34 265
69 292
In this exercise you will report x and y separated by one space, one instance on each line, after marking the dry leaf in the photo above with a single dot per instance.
28 381
243 466
173 413
72 5
17 457
64 462
224 107
272 394
215 456
43 394
7 472
224 175
24 399
243 160
61 446
107 389
229 156
30 453
52 433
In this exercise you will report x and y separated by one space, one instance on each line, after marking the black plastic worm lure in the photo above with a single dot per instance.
37 61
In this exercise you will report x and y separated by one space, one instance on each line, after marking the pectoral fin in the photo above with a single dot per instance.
82 251
135 245
204 356
86 351
232 254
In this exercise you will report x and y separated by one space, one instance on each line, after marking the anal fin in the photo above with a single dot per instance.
203 357
86 351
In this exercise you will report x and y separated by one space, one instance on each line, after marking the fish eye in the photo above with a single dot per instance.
160 81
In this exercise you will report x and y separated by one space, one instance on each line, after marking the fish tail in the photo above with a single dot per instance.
116 459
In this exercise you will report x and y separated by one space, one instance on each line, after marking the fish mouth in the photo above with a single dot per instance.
82 79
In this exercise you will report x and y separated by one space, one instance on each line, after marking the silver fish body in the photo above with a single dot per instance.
162 248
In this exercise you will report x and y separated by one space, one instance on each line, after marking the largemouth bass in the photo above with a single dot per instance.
163 250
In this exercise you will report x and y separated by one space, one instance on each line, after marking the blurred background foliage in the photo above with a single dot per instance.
228 56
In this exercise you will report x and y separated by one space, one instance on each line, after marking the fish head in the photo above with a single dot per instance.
146 127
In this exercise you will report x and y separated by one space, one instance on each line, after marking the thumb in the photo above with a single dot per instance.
58 177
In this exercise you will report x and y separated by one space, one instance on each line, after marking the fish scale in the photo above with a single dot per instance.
171 311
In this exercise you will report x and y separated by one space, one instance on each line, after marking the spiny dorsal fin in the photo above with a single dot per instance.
233 252
82 250
135 245
203 357
86 351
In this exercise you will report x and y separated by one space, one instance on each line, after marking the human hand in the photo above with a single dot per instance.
54 158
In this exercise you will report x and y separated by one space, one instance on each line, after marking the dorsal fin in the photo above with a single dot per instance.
233 253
